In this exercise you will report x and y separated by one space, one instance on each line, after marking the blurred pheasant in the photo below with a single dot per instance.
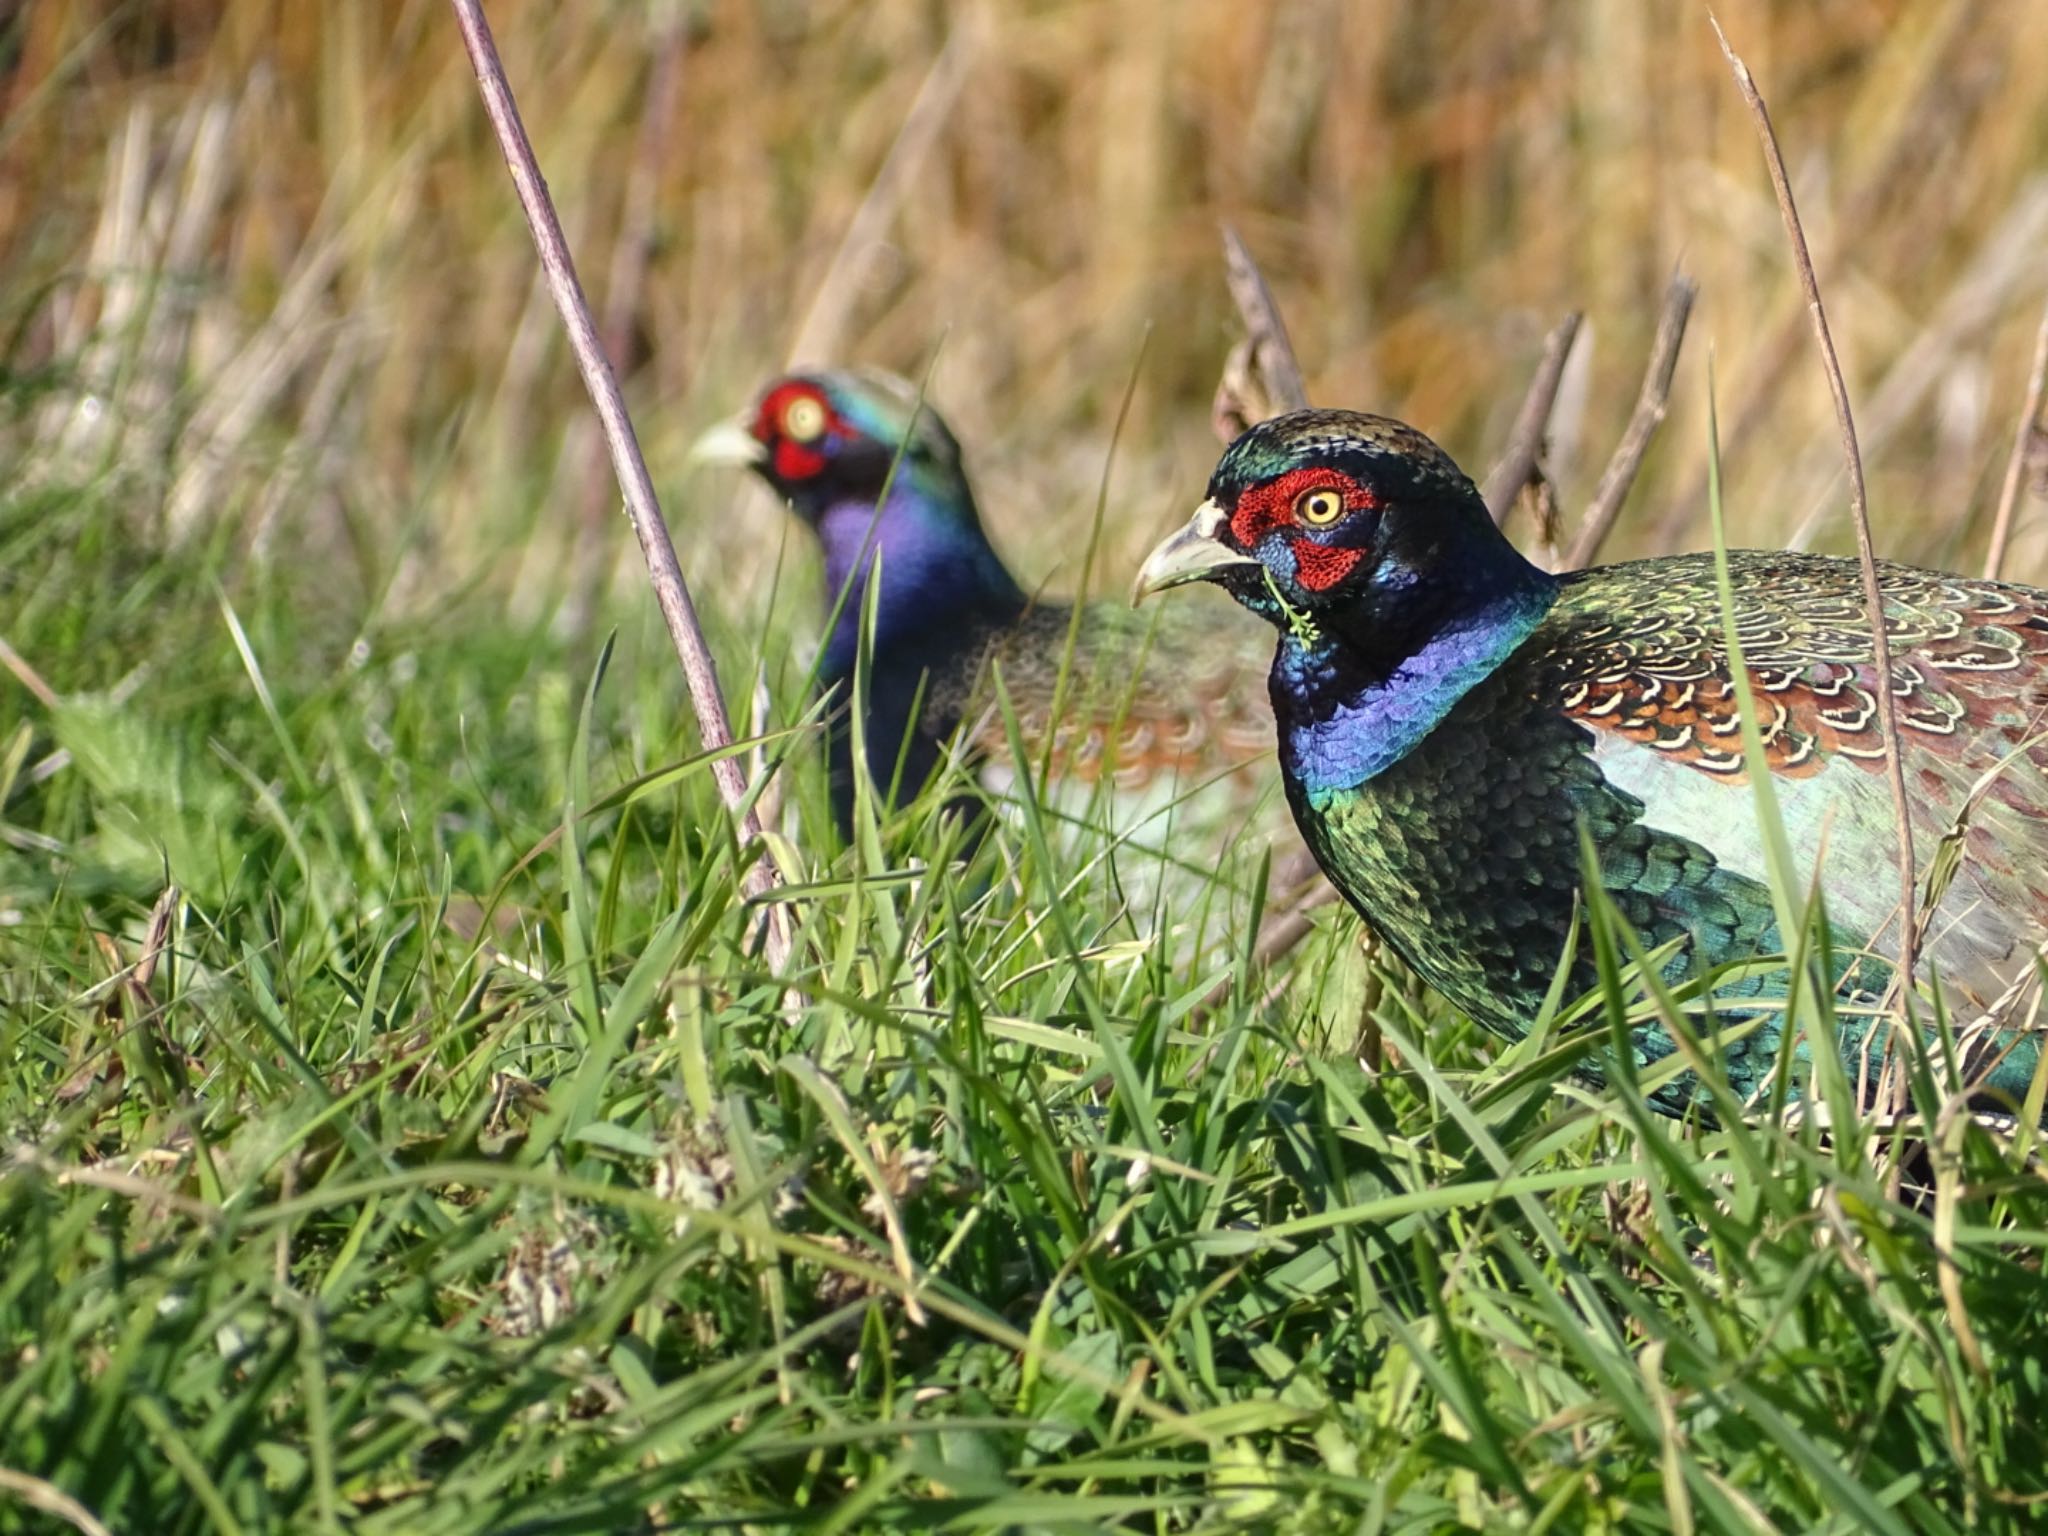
875 474
1450 717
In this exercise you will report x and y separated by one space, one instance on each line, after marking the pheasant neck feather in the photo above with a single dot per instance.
1355 698
938 571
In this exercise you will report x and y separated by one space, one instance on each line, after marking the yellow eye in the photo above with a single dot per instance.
1319 509
803 419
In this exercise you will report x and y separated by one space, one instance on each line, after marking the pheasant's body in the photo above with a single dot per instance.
1447 730
879 478
1615 711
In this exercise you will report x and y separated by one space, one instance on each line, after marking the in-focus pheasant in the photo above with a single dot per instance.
1450 716
875 474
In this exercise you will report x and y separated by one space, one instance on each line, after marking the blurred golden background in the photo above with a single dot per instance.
265 255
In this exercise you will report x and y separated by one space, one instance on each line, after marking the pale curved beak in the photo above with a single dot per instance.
729 443
1192 553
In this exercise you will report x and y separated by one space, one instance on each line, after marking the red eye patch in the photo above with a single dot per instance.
1320 567
1269 508
790 459
1266 507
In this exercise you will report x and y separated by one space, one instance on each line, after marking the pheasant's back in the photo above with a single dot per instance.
1139 697
1635 655
1153 727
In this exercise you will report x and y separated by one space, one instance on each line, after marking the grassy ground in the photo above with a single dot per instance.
439 1157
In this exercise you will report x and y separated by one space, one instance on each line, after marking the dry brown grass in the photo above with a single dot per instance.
352 330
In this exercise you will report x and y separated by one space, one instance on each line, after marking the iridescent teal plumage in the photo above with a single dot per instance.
1451 717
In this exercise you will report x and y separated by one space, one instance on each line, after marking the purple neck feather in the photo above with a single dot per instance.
1341 724
937 570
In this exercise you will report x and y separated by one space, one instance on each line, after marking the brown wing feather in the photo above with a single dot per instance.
1648 662
1639 655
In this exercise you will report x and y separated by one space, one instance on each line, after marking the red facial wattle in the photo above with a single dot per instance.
1320 567
797 461
1270 508
789 458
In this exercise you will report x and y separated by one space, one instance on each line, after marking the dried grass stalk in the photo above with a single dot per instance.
1859 510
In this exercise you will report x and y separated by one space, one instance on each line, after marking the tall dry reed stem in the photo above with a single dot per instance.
1859 509
2016 461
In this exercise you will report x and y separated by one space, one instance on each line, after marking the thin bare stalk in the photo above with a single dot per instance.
1505 480
2016 465
1272 352
1926 100
1859 510
2007 259
1620 475
50 1500
27 676
643 508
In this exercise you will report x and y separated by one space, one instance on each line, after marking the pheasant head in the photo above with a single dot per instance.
874 472
1345 527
